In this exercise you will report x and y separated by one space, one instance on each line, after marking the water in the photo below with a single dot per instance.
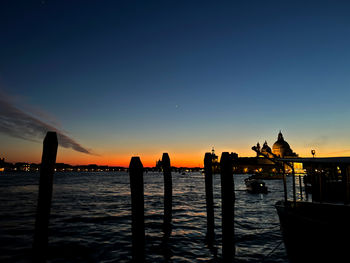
91 221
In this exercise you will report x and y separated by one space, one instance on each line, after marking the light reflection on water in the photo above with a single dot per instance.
90 219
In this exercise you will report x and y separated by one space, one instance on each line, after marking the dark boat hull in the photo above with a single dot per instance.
255 186
315 232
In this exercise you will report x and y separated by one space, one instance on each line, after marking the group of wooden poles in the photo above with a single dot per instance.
40 244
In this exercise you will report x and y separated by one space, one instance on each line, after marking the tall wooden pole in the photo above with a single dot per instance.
208 170
294 187
346 181
137 209
228 201
315 188
168 194
321 186
47 170
285 185
306 189
300 187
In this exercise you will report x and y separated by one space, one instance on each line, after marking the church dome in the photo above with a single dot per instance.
266 148
281 147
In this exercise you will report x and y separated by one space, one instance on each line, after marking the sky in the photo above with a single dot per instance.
117 79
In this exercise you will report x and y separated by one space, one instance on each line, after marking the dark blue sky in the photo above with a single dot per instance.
190 73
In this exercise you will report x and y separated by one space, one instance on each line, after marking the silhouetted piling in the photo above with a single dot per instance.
321 186
137 209
315 188
168 194
208 170
300 187
294 187
346 182
47 169
306 189
228 201
284 184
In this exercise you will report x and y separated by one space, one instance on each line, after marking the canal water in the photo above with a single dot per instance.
91 220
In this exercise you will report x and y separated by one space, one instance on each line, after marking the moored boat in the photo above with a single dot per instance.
316 231
255 186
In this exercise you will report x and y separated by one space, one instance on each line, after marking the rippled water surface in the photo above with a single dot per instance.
91 220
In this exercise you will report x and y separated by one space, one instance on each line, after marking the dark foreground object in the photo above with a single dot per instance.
47 169
209 198
255 186
137 209
227 207
168 195
315 232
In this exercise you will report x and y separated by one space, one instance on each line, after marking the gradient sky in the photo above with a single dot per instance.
124 78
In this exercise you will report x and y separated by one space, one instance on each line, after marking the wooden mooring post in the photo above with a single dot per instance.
285 185
47 169
294 187
137 209
208 171
300 187
345 181
228 202
168 194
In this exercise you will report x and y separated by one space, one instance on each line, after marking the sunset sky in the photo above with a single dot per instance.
124 78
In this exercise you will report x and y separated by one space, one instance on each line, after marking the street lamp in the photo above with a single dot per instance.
313 153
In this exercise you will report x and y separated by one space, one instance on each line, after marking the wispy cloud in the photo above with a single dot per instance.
339 152
319 141
19 124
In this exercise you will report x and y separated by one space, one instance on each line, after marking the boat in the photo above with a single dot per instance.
316 230
255 186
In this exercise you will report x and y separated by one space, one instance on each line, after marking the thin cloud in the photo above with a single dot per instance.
339 152
19 124
320 141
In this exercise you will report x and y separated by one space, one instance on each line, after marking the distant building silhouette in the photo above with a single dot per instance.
259 164
266 149
159 165
215 162
282 149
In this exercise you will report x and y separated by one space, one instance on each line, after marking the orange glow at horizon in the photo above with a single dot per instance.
194 159
179 156
149 160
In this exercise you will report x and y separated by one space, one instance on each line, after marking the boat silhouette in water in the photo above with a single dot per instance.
255 186
317 230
